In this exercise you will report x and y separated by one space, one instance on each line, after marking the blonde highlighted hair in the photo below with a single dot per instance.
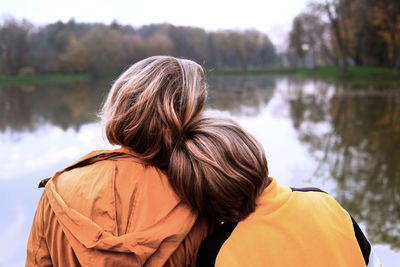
218 168
150 104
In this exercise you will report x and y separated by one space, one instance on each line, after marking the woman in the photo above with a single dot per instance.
221 171
116 208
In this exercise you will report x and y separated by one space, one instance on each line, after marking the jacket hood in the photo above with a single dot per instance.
83 197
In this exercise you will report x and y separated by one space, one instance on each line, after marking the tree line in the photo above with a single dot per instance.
100 49
347 32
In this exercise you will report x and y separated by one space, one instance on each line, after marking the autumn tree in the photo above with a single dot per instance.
76 57
14 45
387 19
364 32
103 49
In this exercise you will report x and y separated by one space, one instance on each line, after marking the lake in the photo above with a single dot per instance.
344 139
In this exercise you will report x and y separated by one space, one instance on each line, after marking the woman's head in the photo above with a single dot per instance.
150 103
218 168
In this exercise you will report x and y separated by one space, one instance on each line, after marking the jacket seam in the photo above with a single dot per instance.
114 210
128 228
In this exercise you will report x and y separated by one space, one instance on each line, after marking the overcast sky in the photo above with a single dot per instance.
271 17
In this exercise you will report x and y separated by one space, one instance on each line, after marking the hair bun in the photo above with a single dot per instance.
218 168
150 103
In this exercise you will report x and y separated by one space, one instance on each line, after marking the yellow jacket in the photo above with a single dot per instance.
290 227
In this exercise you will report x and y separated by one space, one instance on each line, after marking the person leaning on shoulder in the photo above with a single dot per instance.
221 171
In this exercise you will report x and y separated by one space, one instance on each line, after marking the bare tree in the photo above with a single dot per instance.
14 44
335 11
240 45
310 37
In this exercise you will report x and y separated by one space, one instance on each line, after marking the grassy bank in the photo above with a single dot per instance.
252 71
44 79
321 73
355 75
71 78
361 75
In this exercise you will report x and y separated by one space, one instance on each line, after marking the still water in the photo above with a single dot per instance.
343 139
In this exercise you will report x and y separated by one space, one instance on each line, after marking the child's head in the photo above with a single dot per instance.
218 168
150 103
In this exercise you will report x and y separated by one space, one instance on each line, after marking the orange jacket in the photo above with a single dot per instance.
110 209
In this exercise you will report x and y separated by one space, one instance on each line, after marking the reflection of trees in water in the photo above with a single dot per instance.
67 105
72 105
359 147
240 94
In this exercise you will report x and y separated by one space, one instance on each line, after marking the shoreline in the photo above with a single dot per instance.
356 75
44 79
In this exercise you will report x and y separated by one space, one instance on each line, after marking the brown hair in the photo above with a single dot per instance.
218 168
150 103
